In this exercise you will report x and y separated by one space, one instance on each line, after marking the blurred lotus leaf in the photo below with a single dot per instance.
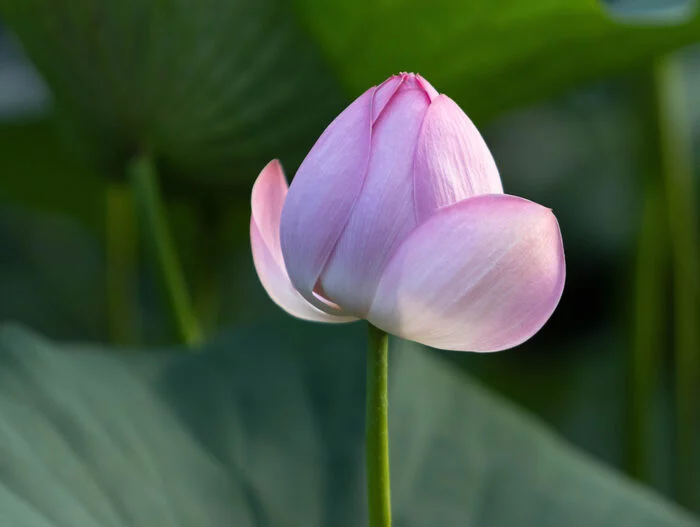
488 56
266 428
51 275
215 88
39 172
212 88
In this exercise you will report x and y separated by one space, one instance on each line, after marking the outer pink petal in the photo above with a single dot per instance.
383 215
482 275
267 199
452 161
323 193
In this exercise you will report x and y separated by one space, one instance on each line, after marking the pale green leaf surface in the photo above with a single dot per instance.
265 427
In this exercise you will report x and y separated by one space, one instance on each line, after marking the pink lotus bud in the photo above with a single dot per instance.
397 215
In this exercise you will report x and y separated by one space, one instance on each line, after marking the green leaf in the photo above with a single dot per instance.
212 88
216 88
265 427
40 171
51 275
53 278
488 56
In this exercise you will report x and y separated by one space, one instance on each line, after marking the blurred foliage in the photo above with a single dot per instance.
214 89
38 170
51 276
266 429
487 56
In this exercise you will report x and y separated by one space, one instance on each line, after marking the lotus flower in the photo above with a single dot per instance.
397 215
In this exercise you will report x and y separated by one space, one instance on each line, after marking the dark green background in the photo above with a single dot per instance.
264 426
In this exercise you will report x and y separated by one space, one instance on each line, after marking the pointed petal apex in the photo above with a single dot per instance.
267 199
383 94
432 92
452 161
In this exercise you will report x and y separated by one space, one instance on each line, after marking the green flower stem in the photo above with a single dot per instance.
651 273
152 214
648 331
210 261
377 433
121 263
677 169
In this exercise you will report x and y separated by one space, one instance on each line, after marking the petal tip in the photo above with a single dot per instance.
270 180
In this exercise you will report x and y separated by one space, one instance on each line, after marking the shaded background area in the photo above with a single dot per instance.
573 101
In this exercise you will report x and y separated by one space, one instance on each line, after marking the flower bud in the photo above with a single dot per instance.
397 215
